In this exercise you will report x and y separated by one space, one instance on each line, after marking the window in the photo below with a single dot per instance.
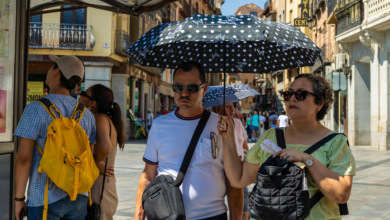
77 16
173 14
163 75
36 18
253 13
197 8
291 16
171 76
291 1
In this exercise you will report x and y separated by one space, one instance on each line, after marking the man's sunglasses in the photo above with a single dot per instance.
299 95
83 93
192 88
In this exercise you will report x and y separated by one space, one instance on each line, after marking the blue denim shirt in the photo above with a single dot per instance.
33 125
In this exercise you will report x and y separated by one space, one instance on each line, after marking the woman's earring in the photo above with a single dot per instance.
89 108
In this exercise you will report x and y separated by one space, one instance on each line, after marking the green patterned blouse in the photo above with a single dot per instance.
335 155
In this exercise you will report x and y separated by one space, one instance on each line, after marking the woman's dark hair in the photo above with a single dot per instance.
68 84
104 98
323 91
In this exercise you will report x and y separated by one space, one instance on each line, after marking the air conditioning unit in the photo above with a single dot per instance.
340 60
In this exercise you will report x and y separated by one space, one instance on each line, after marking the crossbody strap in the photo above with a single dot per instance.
105 167
191 148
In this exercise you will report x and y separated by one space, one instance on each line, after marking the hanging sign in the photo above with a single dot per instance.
305 9
300 22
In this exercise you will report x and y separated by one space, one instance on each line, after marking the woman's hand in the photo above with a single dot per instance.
292 155
19 206
109 171
227 135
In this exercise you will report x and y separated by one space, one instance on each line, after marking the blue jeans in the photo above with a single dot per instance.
249 131
63 209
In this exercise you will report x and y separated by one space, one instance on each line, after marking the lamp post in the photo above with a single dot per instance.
310 22
346 70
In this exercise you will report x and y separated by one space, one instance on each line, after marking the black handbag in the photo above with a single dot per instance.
279 193
162 198
94 211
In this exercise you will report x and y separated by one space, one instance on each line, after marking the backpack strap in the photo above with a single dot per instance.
80 108
320 143
48 106
280 138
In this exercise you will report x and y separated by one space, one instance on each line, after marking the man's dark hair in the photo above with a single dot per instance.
69 84
283 112
188 66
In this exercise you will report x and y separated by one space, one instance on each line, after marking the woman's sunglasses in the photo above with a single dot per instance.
192 88
83 93
299 95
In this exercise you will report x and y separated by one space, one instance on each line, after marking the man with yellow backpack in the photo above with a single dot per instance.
55 151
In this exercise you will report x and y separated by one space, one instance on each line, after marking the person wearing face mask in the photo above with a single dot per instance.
204 185
329 169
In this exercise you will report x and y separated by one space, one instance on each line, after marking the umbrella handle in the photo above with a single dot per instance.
224 125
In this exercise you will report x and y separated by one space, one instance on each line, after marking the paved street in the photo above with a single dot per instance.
370 199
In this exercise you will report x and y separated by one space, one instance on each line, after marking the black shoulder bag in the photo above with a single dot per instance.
94 211
162 198
279 193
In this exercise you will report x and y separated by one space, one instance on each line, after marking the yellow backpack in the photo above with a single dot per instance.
67 159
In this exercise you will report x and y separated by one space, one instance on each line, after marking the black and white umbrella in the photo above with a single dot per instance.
228 44
234 92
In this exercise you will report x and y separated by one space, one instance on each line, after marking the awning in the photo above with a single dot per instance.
132 7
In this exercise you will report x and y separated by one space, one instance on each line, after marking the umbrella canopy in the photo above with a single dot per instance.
235 44
234 92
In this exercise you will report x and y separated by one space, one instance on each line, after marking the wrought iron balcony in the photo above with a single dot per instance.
326 56
185 11
61 36
122 42
377 6
349 15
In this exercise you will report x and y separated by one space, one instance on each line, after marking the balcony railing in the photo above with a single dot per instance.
122 42
325 56
377 6
349 15
61 36
331 6
186 10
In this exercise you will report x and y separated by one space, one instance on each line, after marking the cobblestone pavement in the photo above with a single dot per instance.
370 199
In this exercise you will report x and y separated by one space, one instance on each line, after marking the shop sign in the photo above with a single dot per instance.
300 22
34 91
305 9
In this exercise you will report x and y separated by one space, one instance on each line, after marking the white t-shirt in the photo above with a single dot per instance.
262 118
204 185
283 121
151 118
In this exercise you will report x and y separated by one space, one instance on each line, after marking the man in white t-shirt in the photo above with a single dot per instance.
261 126
283 120
204 185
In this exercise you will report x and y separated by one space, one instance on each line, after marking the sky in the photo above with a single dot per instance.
231 6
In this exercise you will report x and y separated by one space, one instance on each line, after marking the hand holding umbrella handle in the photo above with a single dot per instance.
224 126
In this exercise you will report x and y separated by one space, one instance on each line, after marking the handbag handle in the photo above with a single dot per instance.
191 148
105 167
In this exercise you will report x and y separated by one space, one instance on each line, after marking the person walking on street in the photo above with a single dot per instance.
204 186
283 120
329 169
109 127
266 121
32 129
242 146
249 126
261 127
238 115
255 125
273 120
149 122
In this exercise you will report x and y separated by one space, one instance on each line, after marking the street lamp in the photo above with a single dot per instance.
310 22
346 70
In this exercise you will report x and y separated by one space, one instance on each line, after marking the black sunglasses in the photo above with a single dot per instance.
83 93
192 88
299 95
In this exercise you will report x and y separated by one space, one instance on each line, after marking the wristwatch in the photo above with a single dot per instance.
309 162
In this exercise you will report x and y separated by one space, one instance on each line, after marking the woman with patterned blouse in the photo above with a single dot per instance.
307 101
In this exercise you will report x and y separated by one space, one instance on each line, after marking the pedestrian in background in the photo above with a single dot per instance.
157 114
249 126
149 121
266 121
109 134
273 120
255 125
283 120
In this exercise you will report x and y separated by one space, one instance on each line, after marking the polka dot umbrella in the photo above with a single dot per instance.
228 44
